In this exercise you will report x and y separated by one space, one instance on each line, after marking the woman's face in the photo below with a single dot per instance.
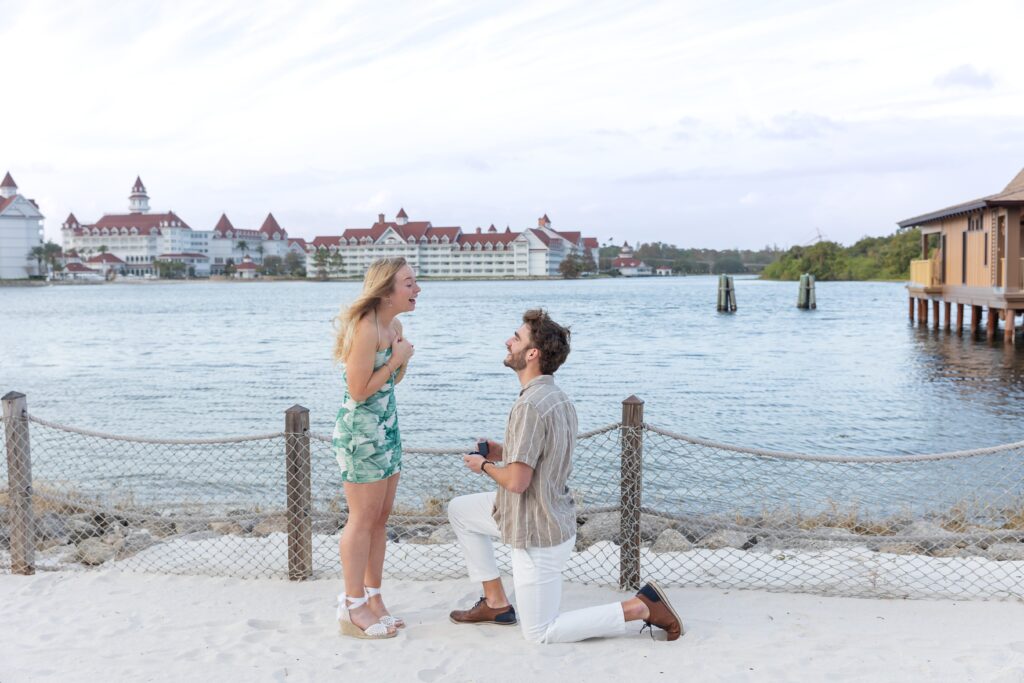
403 296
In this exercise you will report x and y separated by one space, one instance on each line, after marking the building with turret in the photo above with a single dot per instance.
436 251
21 231
140 237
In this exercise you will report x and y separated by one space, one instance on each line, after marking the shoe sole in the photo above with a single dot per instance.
664 600
490 623
351 630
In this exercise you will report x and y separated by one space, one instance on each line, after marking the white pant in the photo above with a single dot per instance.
536 575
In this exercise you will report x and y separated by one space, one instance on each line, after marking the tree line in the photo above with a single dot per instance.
870 258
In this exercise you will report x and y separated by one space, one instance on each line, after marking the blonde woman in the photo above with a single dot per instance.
374 352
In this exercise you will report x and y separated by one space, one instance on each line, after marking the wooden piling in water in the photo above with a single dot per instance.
947 315
935 312
1008 322
805 297
726 294
959 319
910 312
991 324
975 321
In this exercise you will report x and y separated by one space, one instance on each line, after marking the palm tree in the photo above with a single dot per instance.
336 263
51 252
39 254
320 263
103 249
243 245
260 250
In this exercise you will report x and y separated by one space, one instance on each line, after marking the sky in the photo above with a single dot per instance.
715 124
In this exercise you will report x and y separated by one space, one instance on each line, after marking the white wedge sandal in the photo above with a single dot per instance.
376 631
388 620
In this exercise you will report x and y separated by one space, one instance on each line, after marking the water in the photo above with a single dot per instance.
214 359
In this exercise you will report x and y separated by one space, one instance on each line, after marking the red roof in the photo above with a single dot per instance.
4 203
71 221
488 238
542 236
145 222
270 225
626 263
573 237
246 265
138 186
104 258
297 241
402 214
78 268
324 241
590 243
9 182
223 225
184 255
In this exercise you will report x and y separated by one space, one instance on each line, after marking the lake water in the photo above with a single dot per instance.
215 359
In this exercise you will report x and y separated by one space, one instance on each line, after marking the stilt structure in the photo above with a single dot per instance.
972 254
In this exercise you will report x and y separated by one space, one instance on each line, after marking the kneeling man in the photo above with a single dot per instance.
533 510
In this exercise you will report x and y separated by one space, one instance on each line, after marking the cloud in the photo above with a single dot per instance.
965 76
797 126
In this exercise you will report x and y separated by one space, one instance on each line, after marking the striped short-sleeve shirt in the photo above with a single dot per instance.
541 433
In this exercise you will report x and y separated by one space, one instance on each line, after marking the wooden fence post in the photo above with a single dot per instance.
299 493
19 484
631 492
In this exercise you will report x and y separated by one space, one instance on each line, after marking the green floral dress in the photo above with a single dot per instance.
366 439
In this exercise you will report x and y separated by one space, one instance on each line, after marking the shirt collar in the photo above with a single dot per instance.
537 381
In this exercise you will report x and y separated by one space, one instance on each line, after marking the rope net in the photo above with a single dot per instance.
701 514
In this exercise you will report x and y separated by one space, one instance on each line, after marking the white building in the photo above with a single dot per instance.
628 265
21 230
447 251
138 238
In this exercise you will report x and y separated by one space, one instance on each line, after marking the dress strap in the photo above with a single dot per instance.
377 327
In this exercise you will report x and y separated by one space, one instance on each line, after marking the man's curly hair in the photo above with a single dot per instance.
548 337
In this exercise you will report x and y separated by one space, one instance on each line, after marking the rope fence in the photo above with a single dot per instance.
651 503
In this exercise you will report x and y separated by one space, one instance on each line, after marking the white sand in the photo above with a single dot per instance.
108 625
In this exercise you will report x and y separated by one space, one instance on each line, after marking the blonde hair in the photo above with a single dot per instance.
378 283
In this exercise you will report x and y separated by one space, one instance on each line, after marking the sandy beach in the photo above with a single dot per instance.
120 626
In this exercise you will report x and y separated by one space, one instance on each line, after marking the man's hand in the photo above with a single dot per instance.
473 461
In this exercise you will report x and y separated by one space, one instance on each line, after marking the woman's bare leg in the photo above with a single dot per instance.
365 503
374 575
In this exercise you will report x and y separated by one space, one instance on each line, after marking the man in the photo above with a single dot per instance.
533 510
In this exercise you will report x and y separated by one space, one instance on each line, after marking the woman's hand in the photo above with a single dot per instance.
401 351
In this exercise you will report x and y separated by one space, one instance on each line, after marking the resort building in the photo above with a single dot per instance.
971 255
448 251
140 238
628 265
21 231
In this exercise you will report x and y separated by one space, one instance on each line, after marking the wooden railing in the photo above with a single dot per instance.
1020 273
924 272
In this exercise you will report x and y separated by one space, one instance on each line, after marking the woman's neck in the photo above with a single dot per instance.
384 317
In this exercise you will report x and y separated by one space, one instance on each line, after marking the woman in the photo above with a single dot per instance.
366 441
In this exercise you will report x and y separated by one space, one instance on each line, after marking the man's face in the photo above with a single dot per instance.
519 347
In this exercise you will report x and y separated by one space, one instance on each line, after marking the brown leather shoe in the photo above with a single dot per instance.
661 613
480 613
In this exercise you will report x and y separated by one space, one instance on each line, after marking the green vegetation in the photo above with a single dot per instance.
871 258
695 261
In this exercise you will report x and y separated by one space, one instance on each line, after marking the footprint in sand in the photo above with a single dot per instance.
429 675
261 625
